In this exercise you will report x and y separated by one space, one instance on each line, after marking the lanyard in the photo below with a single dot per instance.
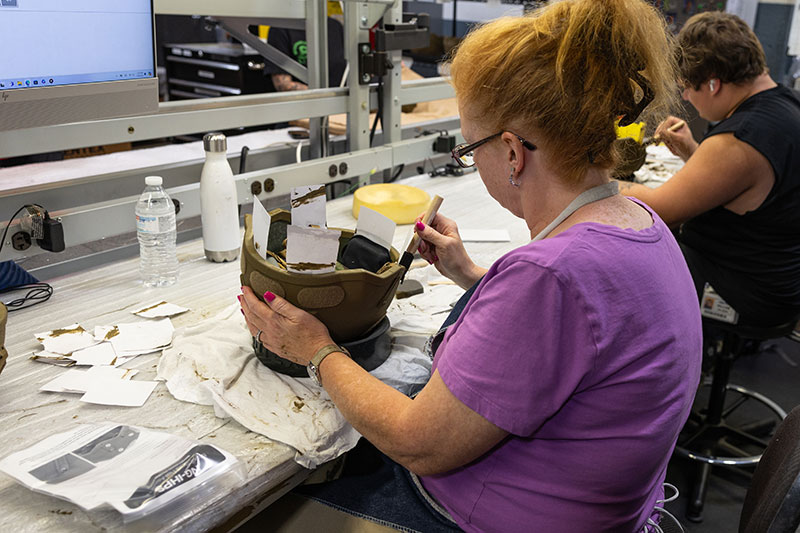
594 194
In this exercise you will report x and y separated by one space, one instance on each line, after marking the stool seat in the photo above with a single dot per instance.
716 432
752 332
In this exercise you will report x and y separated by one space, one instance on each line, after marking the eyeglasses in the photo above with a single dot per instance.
463 153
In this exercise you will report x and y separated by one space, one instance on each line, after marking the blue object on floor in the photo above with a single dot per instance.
12 275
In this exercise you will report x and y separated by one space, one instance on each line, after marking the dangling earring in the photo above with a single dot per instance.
511 178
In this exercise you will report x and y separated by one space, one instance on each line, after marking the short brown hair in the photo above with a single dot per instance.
566 71
719 45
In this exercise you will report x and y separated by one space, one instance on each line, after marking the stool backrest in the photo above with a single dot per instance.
772 503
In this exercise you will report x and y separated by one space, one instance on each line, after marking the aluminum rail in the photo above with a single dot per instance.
195 116
93 221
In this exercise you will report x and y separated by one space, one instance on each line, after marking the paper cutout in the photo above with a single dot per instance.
80 381
105 333
308 206
142 336
159 310
51 358
120 392
311 250
99 354
261 223
375 227
66 340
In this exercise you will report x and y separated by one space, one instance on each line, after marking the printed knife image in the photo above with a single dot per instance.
79 461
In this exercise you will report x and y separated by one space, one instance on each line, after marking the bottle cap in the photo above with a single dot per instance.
153 180
215 142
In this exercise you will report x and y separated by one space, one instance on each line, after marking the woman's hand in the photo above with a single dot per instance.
680 142
441 245
286 330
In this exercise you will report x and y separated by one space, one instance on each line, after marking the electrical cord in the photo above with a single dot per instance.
10 220
379 114
397 173
37 293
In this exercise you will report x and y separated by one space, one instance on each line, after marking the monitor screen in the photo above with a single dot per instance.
69 50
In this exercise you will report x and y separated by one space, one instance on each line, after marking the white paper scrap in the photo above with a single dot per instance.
99 354
122 392
105 333
142 336
80 381
134 353
51 358
484 235
375 227
66 340
129 356
311 250
308 206
159 310
261 223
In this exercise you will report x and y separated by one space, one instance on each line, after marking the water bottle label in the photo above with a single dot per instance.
147 224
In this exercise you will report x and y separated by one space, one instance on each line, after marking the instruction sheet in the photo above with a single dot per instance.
134 470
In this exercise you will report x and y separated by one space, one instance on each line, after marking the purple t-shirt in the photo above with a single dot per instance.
585 347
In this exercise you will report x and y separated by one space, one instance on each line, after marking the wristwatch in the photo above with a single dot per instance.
322 353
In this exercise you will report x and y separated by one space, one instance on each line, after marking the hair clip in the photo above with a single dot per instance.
647 97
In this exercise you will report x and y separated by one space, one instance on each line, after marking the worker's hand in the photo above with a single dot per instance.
680 141
286 330
441 245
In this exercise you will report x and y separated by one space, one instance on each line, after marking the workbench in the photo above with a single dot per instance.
106 295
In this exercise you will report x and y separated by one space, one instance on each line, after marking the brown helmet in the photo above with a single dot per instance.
352 303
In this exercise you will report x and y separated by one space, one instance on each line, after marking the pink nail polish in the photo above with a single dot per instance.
268 296
239 298
419 225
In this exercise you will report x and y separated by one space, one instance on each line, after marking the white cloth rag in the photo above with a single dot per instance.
213 363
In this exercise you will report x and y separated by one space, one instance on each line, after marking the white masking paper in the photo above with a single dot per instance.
308 206
375 227
311 250
261 223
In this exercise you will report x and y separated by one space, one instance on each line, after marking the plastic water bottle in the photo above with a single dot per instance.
219 206
155 227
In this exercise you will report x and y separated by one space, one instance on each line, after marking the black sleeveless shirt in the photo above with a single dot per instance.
763 245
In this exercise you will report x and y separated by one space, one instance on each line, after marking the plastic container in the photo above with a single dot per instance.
401 203
219 208
155 227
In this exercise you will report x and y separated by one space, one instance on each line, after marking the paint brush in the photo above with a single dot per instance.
657 138
408 255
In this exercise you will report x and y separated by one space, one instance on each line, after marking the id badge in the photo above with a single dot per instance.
713 306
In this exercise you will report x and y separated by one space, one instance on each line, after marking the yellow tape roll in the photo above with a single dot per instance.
401 203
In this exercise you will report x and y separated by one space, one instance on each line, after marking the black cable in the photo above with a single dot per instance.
37 293
379 114
243 159
397 173
10 220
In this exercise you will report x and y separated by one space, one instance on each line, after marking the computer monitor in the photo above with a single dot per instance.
66 61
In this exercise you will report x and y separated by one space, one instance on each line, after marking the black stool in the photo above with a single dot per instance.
713 435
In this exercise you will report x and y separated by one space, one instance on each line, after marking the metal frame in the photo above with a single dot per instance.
729 460
88 217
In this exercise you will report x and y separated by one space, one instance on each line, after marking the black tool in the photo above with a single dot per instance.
408 255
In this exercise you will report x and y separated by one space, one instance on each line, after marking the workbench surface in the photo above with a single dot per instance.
106 295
